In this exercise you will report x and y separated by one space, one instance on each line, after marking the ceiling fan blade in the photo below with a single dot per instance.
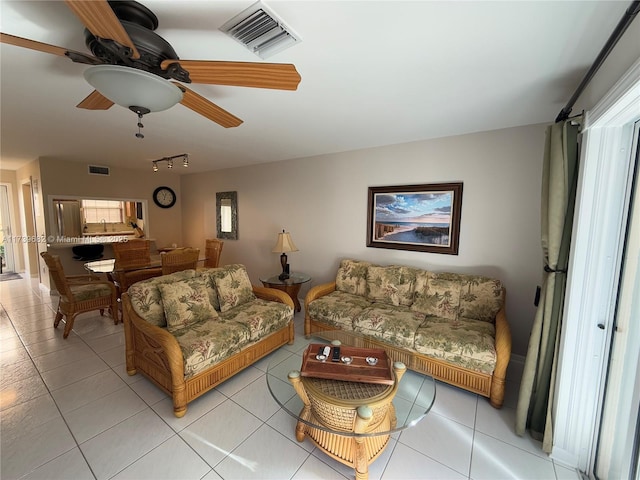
100 20
279 76
95 101
78 57
207 109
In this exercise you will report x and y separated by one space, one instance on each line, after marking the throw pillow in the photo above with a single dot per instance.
185 303
480 297
234 287
393 285
146 300
441 297
207 277
352 277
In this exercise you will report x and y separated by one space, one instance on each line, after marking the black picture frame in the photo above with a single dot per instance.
422 218
160 196
227 200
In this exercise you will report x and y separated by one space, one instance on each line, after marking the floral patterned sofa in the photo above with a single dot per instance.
191 330
451 326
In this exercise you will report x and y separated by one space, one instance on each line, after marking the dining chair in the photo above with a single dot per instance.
133 263
213 249
79 294
180 259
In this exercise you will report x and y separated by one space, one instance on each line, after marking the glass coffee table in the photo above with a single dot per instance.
349 408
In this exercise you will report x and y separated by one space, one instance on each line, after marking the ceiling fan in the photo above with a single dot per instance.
121 37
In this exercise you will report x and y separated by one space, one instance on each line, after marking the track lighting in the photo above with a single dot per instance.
169 160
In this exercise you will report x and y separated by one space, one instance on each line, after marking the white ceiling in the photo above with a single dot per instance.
373 73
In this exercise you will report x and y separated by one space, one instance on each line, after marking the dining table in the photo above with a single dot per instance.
108 265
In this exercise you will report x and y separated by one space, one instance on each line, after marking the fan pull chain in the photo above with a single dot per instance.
140 126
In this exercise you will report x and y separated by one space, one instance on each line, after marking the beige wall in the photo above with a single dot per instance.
322 201
621 58
72 178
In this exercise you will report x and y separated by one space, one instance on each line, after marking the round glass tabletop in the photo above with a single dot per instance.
301 383
295 278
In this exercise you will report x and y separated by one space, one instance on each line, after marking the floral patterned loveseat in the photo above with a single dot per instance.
451 326
191 330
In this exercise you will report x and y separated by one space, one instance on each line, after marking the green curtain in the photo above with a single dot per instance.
559 180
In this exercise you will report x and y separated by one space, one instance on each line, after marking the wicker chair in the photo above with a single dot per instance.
133 260
213 249
180 259
79 294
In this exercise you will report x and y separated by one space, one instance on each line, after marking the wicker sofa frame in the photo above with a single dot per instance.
156 354
491 385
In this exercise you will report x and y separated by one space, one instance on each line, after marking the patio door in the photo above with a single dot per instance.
616 455
6 245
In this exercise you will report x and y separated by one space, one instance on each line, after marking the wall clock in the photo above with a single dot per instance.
164 197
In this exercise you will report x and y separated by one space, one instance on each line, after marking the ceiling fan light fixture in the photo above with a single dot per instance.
127 87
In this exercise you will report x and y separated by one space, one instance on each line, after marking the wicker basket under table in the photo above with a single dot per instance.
336 411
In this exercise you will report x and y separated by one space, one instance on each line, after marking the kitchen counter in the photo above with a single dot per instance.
88 239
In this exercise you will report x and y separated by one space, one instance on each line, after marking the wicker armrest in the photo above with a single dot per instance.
503 356
319 291
273 295
169 347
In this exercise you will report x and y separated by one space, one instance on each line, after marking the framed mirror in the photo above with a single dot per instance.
227 215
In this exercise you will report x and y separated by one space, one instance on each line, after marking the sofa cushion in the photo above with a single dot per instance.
208 342
438 295
89 292
233 286
146 300
185 303
455 296
480 298
352 277
261 317
338 309
395 325
207 274
467 343
394 285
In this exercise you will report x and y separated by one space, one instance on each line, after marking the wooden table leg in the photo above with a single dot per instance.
291 290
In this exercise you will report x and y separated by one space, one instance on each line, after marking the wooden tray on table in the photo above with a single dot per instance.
357 371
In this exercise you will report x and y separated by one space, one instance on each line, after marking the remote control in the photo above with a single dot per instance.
325 351
336 354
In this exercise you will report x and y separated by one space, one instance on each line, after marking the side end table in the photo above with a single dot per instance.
290 285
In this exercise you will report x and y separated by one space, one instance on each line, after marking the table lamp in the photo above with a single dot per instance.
283 245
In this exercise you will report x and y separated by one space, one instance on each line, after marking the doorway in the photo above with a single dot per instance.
7 254
32 266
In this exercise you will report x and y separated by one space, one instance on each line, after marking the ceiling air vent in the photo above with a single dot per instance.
260 31
98 170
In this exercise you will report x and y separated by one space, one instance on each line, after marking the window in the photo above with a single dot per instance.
95 211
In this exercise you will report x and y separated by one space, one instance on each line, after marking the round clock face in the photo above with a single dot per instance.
164 197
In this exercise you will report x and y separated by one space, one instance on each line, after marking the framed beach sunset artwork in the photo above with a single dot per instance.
424 218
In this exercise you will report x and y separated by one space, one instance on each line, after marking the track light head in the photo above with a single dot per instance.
169 160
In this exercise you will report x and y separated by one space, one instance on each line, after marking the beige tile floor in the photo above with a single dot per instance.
69 411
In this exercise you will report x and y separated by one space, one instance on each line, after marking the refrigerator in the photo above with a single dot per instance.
68 218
